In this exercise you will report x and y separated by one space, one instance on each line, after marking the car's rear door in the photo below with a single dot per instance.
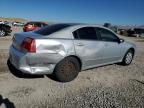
113 49
88 47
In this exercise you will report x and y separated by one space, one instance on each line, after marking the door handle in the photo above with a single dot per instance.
80 44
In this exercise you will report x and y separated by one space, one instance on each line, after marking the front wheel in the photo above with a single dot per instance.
128 58
2 33
67 70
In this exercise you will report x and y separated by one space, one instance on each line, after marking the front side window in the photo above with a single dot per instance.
107 35
87 33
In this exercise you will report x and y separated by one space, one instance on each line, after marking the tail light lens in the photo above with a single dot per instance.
29 45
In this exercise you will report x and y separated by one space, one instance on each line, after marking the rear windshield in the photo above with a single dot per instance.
51 29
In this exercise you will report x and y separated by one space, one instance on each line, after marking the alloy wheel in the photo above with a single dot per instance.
2 33
129 58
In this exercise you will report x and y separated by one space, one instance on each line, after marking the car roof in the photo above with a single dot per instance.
80 25
74 26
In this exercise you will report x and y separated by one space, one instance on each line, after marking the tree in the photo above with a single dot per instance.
108 25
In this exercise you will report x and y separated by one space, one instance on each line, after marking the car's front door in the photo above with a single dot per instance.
88 47
113 49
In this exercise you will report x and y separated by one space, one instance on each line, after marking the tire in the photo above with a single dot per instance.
2 33
128 58
67 69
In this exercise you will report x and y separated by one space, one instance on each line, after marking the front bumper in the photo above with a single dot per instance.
29 63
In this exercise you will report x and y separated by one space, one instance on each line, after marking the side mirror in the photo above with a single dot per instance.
121 40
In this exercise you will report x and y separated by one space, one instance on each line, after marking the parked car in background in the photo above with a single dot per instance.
65 49
1 22
30 26
131 33
139 32
6 22
5 30
17 24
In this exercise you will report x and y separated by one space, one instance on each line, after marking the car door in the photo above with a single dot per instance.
113 49
88 47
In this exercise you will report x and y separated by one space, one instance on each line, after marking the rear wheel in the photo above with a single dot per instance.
2 33
67 70
128 57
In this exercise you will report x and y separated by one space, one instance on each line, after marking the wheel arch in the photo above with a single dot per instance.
132 49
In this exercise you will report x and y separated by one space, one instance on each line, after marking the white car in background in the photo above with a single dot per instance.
2 22
17 24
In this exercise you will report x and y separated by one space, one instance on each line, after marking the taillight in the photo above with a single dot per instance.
29 45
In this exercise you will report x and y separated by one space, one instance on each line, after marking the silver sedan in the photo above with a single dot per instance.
65 49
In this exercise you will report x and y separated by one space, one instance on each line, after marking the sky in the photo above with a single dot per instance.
122 12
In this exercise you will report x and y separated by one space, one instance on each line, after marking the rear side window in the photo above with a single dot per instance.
44 24
37 24
107 35
51 29
29 24
87 33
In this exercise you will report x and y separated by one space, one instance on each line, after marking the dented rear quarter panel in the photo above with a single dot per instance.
53 50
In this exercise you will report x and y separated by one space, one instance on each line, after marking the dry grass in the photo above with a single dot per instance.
142 40
22 91
13 19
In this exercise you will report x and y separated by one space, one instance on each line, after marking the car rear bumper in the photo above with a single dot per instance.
29 64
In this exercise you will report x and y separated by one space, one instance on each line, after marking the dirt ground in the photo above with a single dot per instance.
111 86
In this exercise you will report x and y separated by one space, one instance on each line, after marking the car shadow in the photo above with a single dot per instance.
19 74
7 103
52 77
141 82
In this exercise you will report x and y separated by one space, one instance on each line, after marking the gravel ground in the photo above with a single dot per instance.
111 86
